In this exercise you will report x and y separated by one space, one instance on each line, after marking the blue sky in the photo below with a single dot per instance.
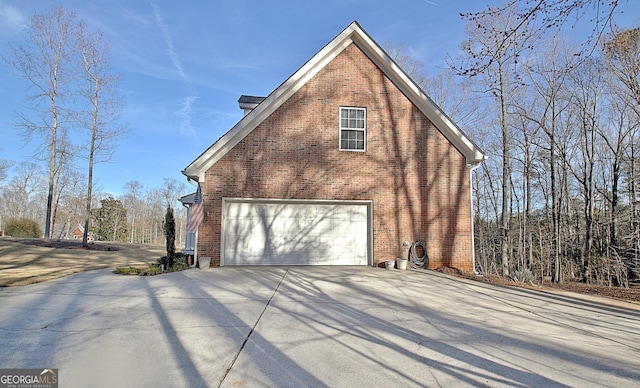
185 63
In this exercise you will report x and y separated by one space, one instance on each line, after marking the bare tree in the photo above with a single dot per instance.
526 141
453 95
547 77
623 57
133 191
21 194
4 166
69 202
99 89
155 202
47 64
500 78
414 69
537 18
588 87
172 190
456 98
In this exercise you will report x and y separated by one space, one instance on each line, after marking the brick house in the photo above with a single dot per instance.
340 165
78 234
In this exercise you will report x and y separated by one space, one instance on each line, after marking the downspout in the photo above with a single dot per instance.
473 232
195 251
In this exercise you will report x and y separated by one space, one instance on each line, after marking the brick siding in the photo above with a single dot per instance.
418 181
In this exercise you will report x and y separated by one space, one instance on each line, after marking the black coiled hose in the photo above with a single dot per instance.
418 262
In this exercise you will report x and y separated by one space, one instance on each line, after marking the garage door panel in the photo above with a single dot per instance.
267 233
244 245
358 226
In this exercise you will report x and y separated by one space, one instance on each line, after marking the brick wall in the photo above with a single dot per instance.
418 181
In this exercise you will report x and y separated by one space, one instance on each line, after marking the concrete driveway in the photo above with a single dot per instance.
314 326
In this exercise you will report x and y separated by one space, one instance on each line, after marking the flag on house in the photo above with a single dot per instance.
197 212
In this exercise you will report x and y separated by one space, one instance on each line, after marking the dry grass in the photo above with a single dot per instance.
28 261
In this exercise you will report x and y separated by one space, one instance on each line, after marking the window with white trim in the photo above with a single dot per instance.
353 129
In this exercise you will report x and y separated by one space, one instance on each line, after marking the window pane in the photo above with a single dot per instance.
352 128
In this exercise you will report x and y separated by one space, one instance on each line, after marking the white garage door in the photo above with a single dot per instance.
278 232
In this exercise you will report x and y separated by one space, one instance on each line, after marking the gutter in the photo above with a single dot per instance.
193 179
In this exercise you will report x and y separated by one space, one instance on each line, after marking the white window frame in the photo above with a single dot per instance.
363 129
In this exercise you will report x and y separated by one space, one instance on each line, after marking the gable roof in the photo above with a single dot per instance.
352 34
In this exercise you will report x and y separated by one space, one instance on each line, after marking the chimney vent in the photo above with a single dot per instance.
248 103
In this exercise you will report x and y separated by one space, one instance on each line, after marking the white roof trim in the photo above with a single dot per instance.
352 34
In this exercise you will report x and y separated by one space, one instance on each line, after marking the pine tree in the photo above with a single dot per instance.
169 226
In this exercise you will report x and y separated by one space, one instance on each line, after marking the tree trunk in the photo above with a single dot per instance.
506 178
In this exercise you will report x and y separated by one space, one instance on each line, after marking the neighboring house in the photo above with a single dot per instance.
78 232
340 165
